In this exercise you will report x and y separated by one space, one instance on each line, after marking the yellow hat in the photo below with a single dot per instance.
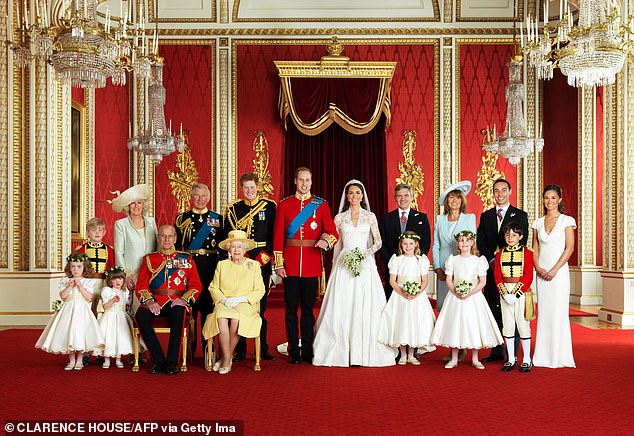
237 235
130 195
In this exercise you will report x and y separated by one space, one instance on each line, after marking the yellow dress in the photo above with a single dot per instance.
233 280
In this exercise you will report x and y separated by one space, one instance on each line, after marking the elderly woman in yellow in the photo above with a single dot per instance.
236 289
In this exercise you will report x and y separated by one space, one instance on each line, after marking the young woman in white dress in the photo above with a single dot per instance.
466 320
408 318
115 323
553 243
73 329
350 316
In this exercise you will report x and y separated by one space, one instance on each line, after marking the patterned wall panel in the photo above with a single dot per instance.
560 154
4 146
483 76
412 100
188 81
111 150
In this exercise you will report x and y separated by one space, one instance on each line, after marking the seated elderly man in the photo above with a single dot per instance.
168 285
236 289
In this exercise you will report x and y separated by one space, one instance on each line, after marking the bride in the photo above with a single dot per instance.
348 323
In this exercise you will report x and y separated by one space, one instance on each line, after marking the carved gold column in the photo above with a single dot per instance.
530 179
618 275
5 148
585 277
448 169
226 168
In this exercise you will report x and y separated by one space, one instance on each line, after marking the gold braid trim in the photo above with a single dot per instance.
146 296
278 261
331 240
188 296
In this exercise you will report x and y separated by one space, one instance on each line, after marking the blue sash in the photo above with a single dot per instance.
202 234
302 216
169 266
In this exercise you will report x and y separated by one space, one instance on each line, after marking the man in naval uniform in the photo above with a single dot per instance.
168 286
255 216
303 228
198 232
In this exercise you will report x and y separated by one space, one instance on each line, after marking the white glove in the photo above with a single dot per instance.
224 301
510 299
239 300
230 302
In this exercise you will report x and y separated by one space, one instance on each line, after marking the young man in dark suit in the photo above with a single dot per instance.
490 240
394 223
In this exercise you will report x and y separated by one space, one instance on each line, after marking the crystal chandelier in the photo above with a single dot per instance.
589 54
83 52
157 141
514 144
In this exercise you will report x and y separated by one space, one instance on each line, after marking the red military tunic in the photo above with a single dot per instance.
101 256
167 275
514 265
298 255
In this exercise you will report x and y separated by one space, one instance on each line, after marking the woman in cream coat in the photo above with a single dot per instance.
453 221
236 289
134 235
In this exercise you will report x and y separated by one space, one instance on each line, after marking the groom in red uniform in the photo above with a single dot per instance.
303 227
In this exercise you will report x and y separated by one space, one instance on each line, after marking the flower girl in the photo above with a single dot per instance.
73 329
115 323
408 318
466 320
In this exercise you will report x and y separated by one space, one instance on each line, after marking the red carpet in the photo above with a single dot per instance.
595 398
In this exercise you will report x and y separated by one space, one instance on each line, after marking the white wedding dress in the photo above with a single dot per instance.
553 343
350 316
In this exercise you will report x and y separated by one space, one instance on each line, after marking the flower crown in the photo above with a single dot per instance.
77 257
413 237
114 269
465 234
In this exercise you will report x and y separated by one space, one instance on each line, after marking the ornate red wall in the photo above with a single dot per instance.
188 80
483 80
112 171
561 157
412 103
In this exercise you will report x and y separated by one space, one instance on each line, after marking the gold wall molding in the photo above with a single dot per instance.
532 176
488 173
20 164
224 11
610 111
411 173
586 213
448 11
5 149
340 31
446 148
40 205
184 178
226 152
461 18
261 164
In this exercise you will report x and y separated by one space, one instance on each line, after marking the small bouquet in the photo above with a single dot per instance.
411 288
463 288
352 260
56 305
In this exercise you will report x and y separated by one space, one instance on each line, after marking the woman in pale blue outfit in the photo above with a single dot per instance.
455 219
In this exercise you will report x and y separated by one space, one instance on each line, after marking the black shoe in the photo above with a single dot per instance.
267 356
172 369
295 360
508 366
85 361
158 368
526 367
493 358
100 360
307 359
239 357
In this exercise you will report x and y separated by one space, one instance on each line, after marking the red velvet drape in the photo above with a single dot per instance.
335 156
357 98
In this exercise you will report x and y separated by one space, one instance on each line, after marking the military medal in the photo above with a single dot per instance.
262 215
313 225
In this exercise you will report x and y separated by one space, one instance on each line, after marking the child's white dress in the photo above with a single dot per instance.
73 327
115 325
466 323
407 322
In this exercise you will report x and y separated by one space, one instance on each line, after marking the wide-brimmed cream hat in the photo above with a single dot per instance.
237 235
463 185
130 195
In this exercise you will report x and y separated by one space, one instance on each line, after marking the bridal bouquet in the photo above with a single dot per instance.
411 288
56 305
463 288
352 260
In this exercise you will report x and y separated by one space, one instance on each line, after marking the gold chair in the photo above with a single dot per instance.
210 357
160 326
